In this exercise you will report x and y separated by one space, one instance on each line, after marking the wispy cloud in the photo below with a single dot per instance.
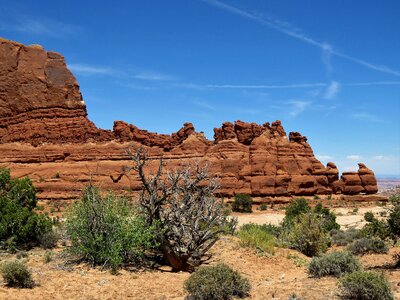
354 157
381 157
152 76
250 86
326 57
91 69
204 104
298 106
43 27
373 83
332 90
366 117
290 30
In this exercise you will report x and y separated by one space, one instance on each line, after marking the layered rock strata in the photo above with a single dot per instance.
45 134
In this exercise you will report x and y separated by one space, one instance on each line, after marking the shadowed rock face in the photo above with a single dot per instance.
44 130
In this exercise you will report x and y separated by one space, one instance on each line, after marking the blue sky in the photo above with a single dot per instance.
328 69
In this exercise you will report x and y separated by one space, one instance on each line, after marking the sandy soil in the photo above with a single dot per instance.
272 277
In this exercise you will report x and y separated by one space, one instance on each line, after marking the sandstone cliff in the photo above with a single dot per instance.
45 133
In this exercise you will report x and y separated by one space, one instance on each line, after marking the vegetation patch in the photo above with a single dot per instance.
219 282
106 231
343 238
16 274
307 235
364 246
242 203
254 236
333 264
20 225
365 286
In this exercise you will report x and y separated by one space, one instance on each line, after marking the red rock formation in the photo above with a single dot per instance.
41 107
126 132
40 99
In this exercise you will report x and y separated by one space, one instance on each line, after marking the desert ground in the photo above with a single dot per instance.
272 277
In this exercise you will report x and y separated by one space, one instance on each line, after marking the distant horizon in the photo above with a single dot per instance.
329 70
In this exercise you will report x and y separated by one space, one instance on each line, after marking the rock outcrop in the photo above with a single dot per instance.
40 101
45 133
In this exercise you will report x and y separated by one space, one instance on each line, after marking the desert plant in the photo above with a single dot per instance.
48 257
307 235
253 236
16 274
268 228
396 258
182 206
296 208
263 206
20 226
364 245
365 286
343 238
393 220
242 203
22 254
48 240
219 282
300 206
333 264
328 218
105 231
294 297
374 228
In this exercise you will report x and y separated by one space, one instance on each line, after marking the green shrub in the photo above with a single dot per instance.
296 208
242 203
300 206
369 216
48 240
268 228
333 264
105 231
374 228
20 226
48 257
363 246
219 282
254 236
328 218
394 199
343 238
263 206
365 286
394 220
307 235
22 254
16 274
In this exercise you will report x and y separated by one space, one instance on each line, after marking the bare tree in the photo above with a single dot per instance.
181 203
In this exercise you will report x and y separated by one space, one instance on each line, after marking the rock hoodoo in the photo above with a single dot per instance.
45 133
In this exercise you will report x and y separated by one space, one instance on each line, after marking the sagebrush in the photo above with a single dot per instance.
219 282
16 274
365 286
364 245
333 264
